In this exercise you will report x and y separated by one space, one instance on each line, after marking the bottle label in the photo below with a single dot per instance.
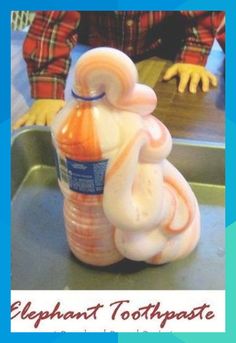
61 167
82 176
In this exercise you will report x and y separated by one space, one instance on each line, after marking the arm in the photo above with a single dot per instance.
46 51
200 34
201 31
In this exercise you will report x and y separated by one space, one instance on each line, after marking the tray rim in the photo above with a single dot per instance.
176 141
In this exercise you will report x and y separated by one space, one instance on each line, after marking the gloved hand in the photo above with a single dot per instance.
192 75
41 112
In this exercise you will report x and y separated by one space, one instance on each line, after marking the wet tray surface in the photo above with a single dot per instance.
41 258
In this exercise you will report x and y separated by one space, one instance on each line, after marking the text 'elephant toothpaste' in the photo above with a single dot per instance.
123 199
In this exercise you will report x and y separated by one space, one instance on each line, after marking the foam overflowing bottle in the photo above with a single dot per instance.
122 198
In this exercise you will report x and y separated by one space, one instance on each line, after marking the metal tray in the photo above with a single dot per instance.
41 258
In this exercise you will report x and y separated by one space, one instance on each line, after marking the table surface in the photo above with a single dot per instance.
195 116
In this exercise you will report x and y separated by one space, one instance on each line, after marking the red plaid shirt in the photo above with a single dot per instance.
53 34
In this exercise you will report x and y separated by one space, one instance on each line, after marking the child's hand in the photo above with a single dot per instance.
41 112
192 75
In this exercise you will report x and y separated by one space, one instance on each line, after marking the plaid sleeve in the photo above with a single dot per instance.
201 29
46 51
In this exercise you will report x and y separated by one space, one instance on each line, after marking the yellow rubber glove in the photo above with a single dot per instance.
191 75
41 112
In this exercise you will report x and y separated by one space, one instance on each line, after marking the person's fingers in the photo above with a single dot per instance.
21 121
30 120
171 72
50 117
205 83
61 104
184 79
195 78
213 79
40 119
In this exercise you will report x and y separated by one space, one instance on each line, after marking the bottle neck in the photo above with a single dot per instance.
89 97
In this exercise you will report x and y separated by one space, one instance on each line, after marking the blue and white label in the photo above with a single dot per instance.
86 177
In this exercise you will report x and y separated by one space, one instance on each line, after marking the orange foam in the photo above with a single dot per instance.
123 156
